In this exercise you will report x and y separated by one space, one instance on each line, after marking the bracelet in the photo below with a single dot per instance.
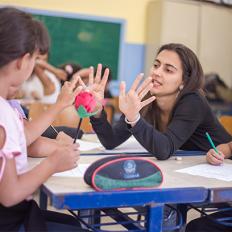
136 120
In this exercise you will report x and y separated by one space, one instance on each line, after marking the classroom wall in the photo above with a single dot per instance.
204 27
132 11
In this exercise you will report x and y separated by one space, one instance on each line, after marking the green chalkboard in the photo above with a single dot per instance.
87 42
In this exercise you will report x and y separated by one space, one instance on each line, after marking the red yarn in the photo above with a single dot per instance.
87 100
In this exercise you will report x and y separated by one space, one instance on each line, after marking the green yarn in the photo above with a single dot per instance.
108 184
83 113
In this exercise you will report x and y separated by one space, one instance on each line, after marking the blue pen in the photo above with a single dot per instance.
211 142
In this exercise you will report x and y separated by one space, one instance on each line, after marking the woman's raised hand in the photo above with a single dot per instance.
96 84
131 103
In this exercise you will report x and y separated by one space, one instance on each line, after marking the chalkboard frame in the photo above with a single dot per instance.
71 15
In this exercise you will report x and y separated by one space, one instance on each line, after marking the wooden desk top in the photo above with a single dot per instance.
172 179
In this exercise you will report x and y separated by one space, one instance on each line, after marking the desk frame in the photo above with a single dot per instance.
154 199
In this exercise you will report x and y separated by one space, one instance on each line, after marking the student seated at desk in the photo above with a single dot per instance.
204 224
22 39
70 69
41 146
167 112
225 152
44 84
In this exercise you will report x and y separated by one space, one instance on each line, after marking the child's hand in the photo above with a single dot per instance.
68 93
64 139
214 158
96 85
65 158
131 103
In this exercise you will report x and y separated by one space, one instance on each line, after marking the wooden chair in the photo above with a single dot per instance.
226 121
68 117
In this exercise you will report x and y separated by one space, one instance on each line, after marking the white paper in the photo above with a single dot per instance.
129 146
88 146
221 172
76 172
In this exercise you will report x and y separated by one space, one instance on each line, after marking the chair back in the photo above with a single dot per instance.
226 121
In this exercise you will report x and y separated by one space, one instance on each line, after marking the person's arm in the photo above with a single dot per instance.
110 137
12 187
34 128
15 188
187 117
59 73
224 152
43 147
48 85
162 145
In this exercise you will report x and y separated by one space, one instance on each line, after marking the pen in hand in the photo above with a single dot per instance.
54 129
211 142
216 157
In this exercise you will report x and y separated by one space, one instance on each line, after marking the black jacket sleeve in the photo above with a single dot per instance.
110 137
187 116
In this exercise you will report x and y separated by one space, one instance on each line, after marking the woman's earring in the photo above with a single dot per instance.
181 87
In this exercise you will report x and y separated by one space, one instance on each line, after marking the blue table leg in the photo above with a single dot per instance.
155 217
43 200
85 214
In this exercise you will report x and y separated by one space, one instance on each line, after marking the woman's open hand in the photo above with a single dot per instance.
131 103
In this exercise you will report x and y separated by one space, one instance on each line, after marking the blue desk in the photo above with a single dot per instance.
153 199
178 188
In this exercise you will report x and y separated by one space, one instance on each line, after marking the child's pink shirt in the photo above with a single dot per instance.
12 122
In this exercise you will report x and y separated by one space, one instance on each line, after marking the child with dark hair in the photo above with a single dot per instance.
23 39
45 82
